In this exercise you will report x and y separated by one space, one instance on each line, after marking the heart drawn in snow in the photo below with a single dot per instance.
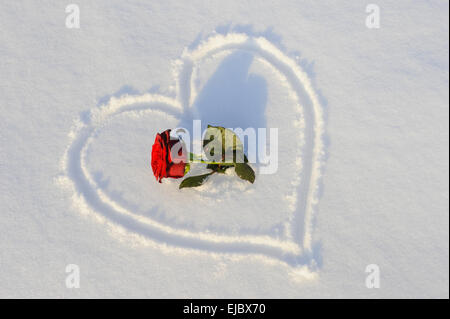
231 80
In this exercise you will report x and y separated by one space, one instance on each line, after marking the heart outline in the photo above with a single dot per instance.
86 189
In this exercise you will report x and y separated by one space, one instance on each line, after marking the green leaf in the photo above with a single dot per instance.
219 138
194 181
239 155
219 168
187 168
244 171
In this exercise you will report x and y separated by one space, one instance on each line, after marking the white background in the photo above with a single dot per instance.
385 185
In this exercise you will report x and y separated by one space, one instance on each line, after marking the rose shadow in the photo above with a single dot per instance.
233 97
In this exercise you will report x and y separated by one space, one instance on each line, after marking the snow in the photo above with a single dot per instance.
362 118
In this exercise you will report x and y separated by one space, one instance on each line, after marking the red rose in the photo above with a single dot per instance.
162 163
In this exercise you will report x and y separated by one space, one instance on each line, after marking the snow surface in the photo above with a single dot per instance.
363 153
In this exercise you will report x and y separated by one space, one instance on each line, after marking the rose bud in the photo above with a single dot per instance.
163 164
